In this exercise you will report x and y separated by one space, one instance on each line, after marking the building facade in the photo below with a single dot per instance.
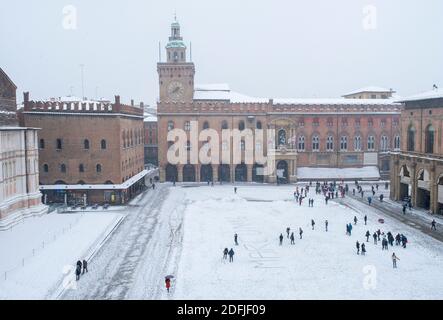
417 170
345 132
19 193
8 101
151 140
90 151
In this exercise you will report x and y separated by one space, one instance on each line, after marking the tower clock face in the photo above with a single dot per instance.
176 90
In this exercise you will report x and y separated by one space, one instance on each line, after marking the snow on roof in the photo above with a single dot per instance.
150 118
121 186
432 94
369 172
212 87
223 92
334 101
368 89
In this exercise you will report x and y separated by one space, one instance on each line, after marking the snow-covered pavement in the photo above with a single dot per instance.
35 253
132 263
323 265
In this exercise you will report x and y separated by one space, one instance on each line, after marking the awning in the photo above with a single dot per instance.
363 173
123 186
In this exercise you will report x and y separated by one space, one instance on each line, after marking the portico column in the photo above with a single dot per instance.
179 173
162 174
249 171
197 173
214 172
414 185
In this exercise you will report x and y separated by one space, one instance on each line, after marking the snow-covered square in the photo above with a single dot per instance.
322 265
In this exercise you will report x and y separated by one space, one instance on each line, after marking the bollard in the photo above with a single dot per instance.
23 262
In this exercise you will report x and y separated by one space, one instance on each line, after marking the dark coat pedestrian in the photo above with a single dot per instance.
300 232
375 237
236 239
433 223
85 266
326 225
225 254
281 238
363 249
292 238
355 220
287 231
366 219
78 271
312 223
368 234
231 255
357 245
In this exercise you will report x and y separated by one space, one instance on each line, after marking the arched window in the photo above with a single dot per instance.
187 125
411 138
258 125
170 125
357 143
98 168
81 168
343 143
63 168
315 143
42 144
45 168
205 125
371 143
429 139
281 137
86 144
241 125
330 143
384 143
103 144
301 143
224 124
397 143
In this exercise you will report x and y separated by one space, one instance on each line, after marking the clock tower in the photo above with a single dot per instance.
176 76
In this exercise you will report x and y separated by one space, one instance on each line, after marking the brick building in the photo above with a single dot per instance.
90 151
356 131
8 101
417 170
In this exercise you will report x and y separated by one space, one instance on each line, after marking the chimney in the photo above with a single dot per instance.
132 102
142 105
117 100
26 96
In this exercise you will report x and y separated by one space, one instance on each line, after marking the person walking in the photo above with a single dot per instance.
85 266
236 239
366 219
231 255
433 223
292 238
350 228
368 234
394 260
357 245
225 254
281 238
287 232
375 238
355 220
78 271
363 249
235 189
168 284
404 209
300 232
326 225
312 223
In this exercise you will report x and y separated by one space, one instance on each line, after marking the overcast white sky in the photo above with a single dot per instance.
265 48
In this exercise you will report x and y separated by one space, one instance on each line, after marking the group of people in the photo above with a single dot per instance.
81 266
230 252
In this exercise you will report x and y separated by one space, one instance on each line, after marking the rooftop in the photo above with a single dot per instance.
368 89
427 95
